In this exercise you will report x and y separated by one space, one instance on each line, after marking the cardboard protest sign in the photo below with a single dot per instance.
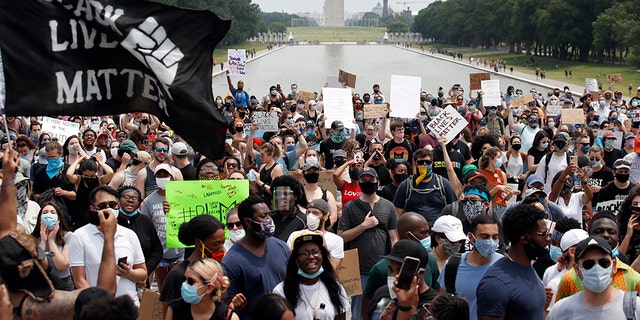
188 199
520 101
612 205
59 128
553 111
375 111
475 79
150 306
349 273
448 123
338 105
306 96
617 143
268 121
237 60
405 96
347 78
591 84
325 181
572 116
491 93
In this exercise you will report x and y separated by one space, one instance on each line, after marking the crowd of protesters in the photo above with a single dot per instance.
516 214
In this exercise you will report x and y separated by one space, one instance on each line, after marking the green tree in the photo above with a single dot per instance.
397 26
277 27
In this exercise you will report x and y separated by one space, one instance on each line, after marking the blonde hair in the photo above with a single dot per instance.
271 149
210 271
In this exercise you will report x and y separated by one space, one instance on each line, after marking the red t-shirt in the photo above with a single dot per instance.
350 192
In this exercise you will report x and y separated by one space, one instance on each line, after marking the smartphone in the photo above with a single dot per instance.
408 270
94 219
357 156
122 260
574 160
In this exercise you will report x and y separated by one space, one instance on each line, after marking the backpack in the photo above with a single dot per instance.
629 304
451 272
547 159
439 186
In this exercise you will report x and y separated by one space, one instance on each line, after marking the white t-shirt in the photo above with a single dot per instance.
574 208
314 295
526 136
574 308
334 243
85 251
634 159
557 164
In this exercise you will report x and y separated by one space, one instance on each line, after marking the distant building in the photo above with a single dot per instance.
378 9
334 13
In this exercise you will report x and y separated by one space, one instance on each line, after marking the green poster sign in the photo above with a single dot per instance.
188 199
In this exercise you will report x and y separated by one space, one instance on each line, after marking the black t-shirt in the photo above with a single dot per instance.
383 175
612 192
600 178
113 163
388 192
611 156
327 148
537 154
463 148
189 172
286 226
400 152
171 288
439 167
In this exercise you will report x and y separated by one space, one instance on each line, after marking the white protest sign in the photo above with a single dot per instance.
591 84
612 205
404 96
617 143
491 93
337 106
553 111
237 60
59 128
268 121
448 123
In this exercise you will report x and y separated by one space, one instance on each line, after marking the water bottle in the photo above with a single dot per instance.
321 313
577 183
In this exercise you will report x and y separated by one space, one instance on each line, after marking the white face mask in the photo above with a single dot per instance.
236 235
311 160
313 222
162 183
390 281
114 152
114 212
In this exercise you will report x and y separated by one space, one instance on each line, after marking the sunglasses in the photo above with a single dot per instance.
110 204
208 169
230 225
424 162
232 165
165 150
589 263
190 281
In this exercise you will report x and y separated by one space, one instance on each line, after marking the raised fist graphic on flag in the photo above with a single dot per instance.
149 44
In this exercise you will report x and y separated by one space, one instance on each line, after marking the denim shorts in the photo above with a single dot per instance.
164 263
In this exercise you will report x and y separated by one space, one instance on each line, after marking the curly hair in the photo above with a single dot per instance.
449 307
291 285
624 213
294 184
479 141
519 220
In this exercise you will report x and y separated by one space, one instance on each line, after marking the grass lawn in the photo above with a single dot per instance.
220 54
580 70
346 34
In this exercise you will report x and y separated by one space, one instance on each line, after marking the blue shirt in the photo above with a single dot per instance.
240 96
512 291
252 275
467 280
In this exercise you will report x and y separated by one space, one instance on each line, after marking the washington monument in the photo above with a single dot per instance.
334 13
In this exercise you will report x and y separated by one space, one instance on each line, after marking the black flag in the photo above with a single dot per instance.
100 57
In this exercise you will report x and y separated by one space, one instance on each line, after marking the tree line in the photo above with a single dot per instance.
600 30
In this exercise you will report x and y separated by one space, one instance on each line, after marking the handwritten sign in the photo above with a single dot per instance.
59 128
491 93
268 121
325 181
337 105
520 101
306 96
150 306
188 199
447 124
553 111
349 273
405 96
347 78
237 60
375 111
475 79
591 84
612 205
572 116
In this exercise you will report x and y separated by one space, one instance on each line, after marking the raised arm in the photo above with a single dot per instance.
337 175
8 193
74 178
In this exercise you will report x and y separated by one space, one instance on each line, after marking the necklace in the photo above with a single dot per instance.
508 256
313 306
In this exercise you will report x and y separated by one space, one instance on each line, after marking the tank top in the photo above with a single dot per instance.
82 201
265 174
129 177
150 183
515 165
493 179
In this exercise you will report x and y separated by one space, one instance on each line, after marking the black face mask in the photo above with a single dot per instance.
312 177
339 163
400 177
535 251
440 94
559 145
144 121
292 109
622 177
516 147
239 129
376 156
241 114
368 188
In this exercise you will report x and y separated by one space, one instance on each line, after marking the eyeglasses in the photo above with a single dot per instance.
424 162
165 150
104 205
543 234
230 225
306 254
589 263
208 169
130 198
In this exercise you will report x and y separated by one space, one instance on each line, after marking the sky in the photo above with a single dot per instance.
352 6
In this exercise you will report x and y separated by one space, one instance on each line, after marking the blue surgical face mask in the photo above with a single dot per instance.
310 275
485 248
426 242
189 293
555 253
291 147
498 162
128 214
595 164
596 279
50 220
